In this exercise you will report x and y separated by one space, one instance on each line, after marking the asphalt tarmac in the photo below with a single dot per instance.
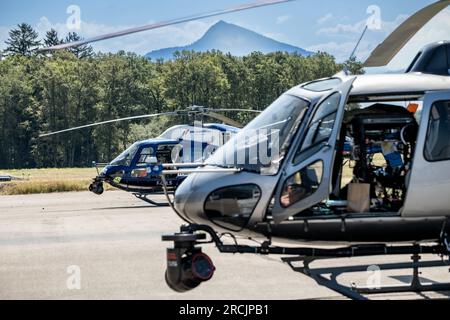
83 246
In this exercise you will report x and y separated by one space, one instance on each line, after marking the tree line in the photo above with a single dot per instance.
46 92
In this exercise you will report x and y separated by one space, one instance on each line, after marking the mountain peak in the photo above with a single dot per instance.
230 38
221 23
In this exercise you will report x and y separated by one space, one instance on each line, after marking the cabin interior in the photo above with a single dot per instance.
374 158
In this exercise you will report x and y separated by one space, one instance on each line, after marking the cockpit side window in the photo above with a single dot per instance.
321 127
302 184
145 156
437 146
448 58
438 62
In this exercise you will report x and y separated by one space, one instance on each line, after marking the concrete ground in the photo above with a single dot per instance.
114 241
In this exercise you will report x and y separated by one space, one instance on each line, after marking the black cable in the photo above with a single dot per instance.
232 236
166 192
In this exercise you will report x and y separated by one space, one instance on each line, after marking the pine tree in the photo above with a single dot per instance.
52 39
354 66
81 52
22 41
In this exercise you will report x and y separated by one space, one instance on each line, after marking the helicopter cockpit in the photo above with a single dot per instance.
133 169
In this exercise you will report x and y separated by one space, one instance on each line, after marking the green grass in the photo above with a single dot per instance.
36 181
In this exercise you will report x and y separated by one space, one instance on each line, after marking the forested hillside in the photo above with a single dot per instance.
41 93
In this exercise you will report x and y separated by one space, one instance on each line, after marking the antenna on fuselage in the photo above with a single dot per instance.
359 42
347 72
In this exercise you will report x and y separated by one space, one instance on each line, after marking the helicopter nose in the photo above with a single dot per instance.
217 200
186 196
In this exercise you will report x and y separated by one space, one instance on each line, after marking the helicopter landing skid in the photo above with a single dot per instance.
358 293
145 198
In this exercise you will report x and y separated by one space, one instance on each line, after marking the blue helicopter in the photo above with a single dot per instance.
138 169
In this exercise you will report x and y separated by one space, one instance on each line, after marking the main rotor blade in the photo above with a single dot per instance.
109 122
387 50
235 110
213 113
224 119
252 5
204 111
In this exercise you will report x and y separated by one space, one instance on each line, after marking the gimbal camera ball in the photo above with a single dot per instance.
187 266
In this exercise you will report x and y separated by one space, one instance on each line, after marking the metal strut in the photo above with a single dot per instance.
145 198
344 252
357 293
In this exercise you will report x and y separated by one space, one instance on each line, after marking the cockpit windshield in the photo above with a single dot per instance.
262 144
126 157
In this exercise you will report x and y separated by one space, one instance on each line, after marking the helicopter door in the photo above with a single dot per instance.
429 183
306 180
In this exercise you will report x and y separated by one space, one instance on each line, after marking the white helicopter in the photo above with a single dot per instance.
395 201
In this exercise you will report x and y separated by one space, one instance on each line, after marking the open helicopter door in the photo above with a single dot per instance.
308 169
429 182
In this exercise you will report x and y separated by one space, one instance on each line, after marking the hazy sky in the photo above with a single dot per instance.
327 25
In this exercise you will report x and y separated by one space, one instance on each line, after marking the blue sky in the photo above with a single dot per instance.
327 25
